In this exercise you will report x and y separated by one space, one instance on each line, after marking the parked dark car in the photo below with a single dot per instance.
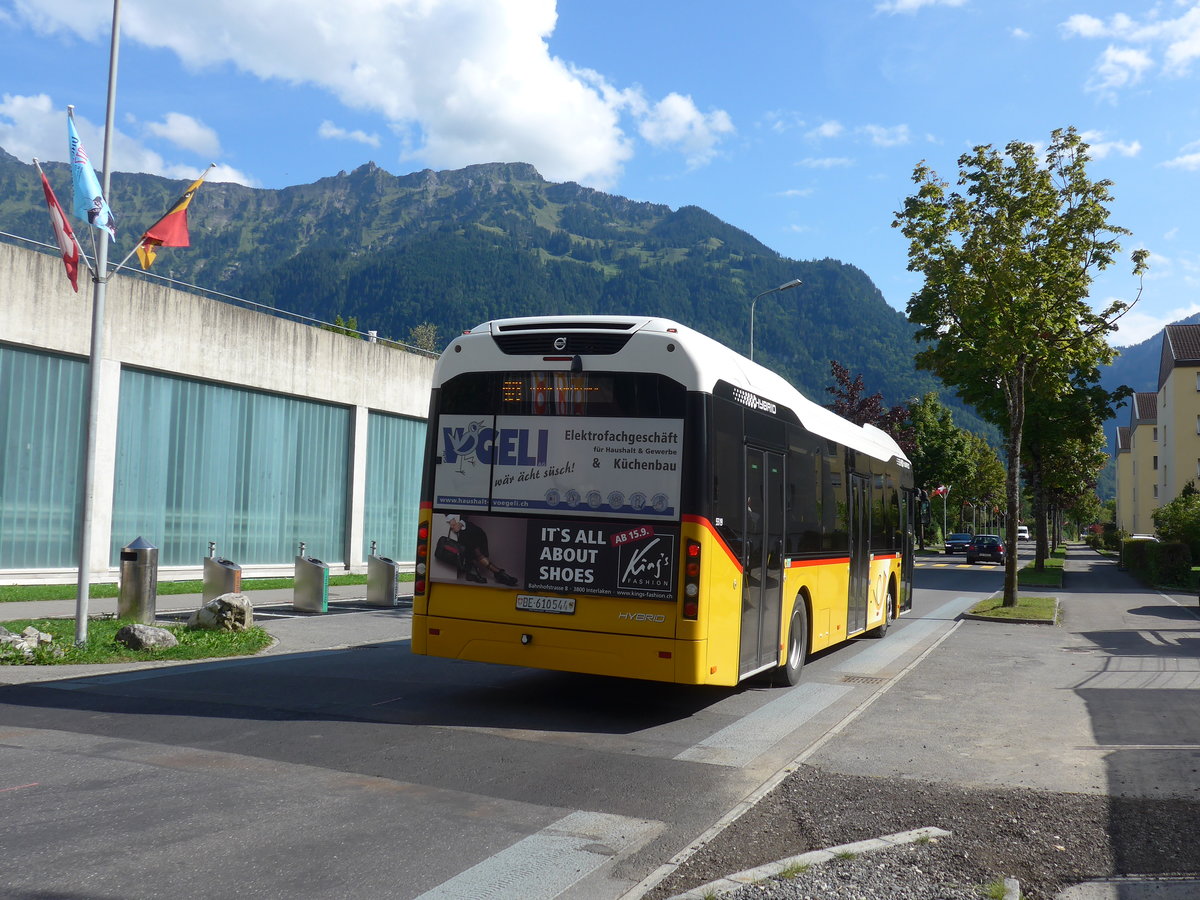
986 546
957 543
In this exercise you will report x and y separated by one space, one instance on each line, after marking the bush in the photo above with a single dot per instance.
1158 563
1174 564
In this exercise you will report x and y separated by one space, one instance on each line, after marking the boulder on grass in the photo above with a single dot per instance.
145 637
229 612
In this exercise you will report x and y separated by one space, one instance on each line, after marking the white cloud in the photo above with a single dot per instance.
1137 43
796 192
1137 325
827 162
332 132
675 121
895 136
188 133
1118 67
1020 34
36 127
829 129
470 80
1101 148
911 6
1188 161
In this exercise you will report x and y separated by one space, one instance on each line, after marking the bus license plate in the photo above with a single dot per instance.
562 605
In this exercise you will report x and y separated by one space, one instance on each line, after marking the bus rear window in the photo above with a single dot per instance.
607 394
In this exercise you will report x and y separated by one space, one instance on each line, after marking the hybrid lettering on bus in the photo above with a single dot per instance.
624 496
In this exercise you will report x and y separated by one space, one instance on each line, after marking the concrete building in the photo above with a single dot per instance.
1124 513
217 423
1159 453
1143 449
1178 410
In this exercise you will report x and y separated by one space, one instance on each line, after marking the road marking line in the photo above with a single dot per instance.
737 744
543 865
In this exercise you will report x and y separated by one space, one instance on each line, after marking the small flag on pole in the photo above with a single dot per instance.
171 230
89 205
63 234
940 491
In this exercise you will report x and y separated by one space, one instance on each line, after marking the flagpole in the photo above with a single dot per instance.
99 281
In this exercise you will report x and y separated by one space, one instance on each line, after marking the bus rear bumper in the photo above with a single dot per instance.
566 650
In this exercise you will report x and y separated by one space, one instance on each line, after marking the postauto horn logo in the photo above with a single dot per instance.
495 446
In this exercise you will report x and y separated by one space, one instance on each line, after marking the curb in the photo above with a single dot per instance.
739 880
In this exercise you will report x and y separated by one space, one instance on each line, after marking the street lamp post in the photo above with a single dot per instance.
787 286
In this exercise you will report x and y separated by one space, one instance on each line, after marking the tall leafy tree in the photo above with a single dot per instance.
1008 264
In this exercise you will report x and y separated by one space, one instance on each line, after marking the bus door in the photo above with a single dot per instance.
860 553
762 560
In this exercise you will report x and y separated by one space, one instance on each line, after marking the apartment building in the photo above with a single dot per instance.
1159 452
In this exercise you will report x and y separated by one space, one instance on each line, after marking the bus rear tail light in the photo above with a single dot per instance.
691 579
422 567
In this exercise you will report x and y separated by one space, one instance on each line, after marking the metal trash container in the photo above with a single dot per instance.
138 593
311 590
221 576
383 581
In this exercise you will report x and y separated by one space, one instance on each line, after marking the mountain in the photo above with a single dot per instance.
455 248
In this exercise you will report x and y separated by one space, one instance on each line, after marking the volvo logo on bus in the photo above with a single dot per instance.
560 343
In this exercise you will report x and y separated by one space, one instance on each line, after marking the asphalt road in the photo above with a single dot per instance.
316 772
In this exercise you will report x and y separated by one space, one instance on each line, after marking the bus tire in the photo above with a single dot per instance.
888 613
797 644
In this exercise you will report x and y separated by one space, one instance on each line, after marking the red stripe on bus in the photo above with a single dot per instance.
828 561
888 556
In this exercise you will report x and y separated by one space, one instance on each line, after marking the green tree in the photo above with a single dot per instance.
424 336
1007 265
1179 520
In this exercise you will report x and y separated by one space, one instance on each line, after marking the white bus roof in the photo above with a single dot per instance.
703 363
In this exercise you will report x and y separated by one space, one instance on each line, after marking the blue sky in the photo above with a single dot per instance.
798 121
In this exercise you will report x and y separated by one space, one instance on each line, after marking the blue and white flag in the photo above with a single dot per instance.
89 205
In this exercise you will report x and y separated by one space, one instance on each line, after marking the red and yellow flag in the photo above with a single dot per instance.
171 230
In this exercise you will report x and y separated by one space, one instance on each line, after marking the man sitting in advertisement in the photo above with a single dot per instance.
475 542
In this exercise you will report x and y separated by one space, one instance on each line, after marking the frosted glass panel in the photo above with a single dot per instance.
394 449
255 472
42 419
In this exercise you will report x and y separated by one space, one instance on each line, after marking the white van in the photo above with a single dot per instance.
1022 532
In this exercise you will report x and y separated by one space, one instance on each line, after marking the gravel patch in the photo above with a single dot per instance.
1046 840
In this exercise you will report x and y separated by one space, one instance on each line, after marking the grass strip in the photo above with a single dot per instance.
1028 607
1051 576
23 592
101 646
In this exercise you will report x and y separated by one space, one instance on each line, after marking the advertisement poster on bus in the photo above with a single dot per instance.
626 468
562 556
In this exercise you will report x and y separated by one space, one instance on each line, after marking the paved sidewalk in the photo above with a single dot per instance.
1105 703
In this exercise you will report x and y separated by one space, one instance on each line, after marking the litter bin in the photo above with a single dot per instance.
383 581
221 576
139 582
311 591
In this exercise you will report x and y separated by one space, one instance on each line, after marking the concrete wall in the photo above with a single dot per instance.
154 327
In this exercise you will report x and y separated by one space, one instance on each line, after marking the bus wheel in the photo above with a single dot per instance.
797 645
881 630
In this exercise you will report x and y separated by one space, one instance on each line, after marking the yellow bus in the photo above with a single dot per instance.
622 495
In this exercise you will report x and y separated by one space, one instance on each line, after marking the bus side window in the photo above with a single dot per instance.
728 495
803 492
